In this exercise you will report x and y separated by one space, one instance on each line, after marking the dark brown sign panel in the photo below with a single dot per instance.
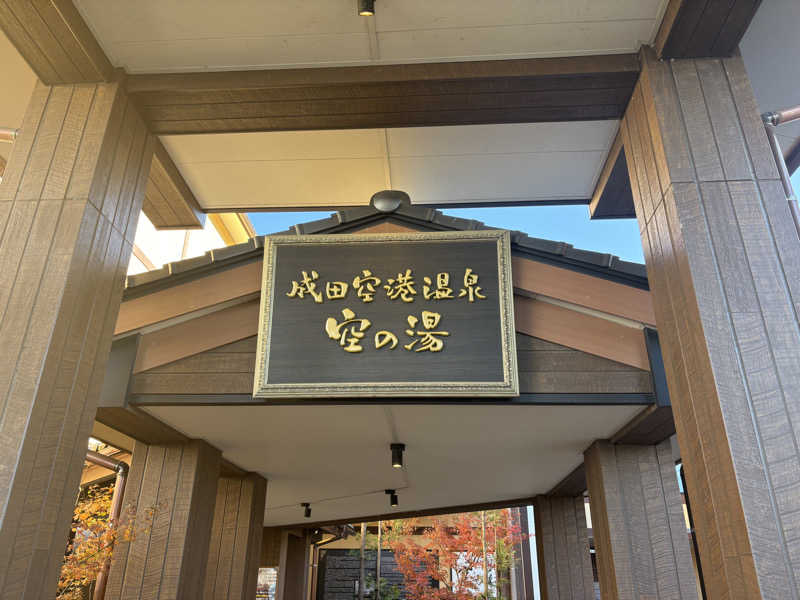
387 315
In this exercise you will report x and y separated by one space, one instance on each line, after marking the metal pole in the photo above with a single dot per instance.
485 563
8 134
362 571
771 120
114 512
378 567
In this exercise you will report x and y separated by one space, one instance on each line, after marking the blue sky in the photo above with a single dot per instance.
569 224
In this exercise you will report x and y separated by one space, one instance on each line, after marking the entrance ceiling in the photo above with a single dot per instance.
337 457
435 165
153 35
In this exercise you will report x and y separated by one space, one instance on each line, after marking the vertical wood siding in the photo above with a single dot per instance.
640 533
69 202
169 560
235 551
723 261
562 548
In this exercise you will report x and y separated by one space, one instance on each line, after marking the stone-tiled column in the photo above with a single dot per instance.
167 560
723 260
69 203
640 534
235 550
562 548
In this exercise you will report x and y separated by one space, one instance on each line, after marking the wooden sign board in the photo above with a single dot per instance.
387 315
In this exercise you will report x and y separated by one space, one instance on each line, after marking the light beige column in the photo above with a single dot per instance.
235 550
167 560
640 534
69 203
562 548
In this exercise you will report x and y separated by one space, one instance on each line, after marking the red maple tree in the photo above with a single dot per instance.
463 553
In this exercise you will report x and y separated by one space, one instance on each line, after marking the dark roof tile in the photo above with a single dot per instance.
559 252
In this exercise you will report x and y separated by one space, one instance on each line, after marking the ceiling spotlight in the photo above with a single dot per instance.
397 455
366 8
307 511
392 498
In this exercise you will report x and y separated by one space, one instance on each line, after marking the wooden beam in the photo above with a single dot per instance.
612 197
169 202
581 331
501 91
54 39
703 28
195 295
584 290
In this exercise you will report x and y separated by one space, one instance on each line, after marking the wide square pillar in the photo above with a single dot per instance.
723 260
235 549
69 204
168 559
562 548
640 535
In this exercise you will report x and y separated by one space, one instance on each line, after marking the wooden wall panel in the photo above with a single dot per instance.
544 368
235 549
723 265
168 559
69 203
562 548
640 532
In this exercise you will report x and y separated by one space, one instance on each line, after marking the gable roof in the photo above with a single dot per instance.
561 254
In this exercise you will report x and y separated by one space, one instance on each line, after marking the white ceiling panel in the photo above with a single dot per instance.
337 457
435 165
153 35
501 139
497 177
300 183
514 41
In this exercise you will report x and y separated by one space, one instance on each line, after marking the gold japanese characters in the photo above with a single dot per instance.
398 287
350 331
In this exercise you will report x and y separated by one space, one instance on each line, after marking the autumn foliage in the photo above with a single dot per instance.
93 538
459 552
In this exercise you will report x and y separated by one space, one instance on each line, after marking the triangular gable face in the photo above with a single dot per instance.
585 301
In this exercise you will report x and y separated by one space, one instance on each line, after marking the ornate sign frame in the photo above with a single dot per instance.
508 387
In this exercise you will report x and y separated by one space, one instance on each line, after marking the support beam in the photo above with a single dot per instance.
723 260
424 94
169 202
235 549
167 560
562 548
640 533
703 28
69 203
53 38
293 568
